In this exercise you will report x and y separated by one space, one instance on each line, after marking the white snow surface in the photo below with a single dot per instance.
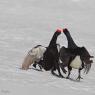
27 23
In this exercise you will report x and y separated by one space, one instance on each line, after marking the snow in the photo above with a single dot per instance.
26 23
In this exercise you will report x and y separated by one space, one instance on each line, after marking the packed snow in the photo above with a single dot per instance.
27 23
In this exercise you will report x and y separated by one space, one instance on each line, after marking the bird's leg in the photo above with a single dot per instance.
58 68
79 71
62 66
40 67
79 76
69 72
54 68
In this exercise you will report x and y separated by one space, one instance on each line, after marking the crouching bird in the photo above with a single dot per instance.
74 56
33 57
51 56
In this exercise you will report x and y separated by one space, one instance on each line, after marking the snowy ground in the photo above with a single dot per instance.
26 23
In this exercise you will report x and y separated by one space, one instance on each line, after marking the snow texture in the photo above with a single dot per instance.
27 23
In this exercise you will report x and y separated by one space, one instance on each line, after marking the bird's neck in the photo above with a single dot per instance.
71 43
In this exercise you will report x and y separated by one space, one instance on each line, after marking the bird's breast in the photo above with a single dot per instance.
76 63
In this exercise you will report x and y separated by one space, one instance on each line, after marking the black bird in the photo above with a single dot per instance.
74 56
51 56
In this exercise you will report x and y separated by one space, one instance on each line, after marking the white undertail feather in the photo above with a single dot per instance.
37 52
34 55
76 63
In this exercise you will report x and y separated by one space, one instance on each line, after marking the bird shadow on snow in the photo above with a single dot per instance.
36 69
33 69
71 79
56 75
74 80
